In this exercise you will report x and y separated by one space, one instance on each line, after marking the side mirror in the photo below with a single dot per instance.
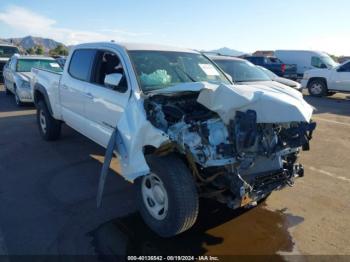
113 80
323 66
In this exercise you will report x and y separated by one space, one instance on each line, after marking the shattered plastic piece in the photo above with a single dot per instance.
157 78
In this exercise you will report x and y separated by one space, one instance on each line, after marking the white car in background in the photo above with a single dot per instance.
17 75
306 60
322 82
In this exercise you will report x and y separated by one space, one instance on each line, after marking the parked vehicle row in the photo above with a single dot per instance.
17 75
179 127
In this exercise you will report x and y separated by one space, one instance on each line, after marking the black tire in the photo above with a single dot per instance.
318 87
183 203
53 126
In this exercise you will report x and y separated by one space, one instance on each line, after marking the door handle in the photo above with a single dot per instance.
89 95
64 87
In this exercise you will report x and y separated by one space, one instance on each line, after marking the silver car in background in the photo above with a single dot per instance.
244 72
17 75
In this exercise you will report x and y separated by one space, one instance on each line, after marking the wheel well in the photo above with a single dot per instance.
38 96
317 78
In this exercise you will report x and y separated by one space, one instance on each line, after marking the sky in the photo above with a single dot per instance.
246 26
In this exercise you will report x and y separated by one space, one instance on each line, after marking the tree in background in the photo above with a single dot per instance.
30 51
60 50
39 50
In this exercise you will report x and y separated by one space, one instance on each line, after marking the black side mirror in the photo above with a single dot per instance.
323 66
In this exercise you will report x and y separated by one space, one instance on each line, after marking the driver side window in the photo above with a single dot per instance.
107 63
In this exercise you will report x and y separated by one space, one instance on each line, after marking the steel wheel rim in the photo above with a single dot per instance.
316 88
42 120
155 196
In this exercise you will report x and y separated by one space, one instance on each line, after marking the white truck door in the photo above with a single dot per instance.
106 103
340 79
73 88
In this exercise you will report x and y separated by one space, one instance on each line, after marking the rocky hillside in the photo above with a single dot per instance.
31 41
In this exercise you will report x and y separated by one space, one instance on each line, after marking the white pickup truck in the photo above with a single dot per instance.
185 131
322 82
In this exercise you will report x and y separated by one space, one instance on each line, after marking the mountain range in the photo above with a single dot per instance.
48 44
31 41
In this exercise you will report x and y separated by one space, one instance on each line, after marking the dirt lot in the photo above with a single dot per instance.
48 198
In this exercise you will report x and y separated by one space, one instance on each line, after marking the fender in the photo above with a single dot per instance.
40 91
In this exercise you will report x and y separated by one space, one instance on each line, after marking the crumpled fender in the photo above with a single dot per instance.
136 132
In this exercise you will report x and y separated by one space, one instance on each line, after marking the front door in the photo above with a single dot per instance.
106 103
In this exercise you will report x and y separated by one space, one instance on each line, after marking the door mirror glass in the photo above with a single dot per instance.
113 80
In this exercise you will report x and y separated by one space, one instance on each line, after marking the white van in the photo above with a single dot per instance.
305 60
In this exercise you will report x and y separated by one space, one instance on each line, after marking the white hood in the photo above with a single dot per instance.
273 104
272 101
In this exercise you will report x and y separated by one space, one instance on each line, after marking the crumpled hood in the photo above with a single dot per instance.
272 101
25 76
273 104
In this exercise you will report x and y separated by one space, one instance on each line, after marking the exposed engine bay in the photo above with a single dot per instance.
237 163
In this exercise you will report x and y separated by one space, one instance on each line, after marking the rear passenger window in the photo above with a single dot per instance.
80 64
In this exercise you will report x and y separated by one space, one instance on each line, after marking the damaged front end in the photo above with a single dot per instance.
236 159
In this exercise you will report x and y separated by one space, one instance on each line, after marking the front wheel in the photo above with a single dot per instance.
49 128
318 88
167 197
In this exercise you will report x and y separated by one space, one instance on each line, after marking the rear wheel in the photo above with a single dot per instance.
318 87
167 197
49 128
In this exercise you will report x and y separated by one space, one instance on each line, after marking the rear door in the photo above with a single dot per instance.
340 78
106 104
73 88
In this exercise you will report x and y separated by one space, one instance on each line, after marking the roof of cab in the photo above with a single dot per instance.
138 47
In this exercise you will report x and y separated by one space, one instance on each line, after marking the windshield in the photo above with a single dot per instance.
242 71
269 73
328 61
8 51
26 65
161 69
